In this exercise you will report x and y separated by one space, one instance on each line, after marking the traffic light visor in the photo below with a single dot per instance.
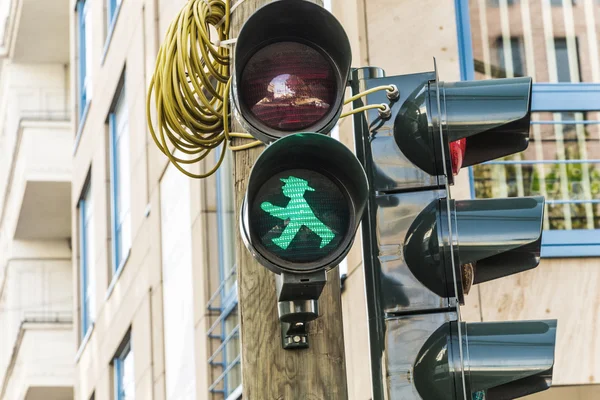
493 116
500 236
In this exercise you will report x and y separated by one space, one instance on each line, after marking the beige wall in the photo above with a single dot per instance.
36 331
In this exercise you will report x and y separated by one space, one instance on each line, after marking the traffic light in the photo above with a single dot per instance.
423 250
306 192
291 68
500 360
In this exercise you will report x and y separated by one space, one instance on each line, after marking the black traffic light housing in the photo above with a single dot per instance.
423 250
290 156
313 29
501 360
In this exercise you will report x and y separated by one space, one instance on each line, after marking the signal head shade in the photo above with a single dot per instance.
500 237
505 360
480 121
292 62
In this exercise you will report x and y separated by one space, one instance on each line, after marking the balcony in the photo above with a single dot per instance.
37 195
41 364
37 31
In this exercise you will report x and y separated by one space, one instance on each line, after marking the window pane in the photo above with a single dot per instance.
119 131
496 3
128 377
226 356
551 41
125 375
89 46
232 352
87 258
562 163
178 296
226 219
510 61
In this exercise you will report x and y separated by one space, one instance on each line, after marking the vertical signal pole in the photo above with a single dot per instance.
269 371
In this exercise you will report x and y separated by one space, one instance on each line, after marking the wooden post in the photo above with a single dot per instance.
268 371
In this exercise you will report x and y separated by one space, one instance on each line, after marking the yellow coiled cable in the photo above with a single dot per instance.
191 87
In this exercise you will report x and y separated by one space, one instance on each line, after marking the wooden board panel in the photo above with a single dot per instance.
563 289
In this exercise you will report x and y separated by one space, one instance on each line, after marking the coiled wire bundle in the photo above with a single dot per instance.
191 85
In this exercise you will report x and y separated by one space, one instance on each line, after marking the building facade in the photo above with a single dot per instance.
36 313
153 271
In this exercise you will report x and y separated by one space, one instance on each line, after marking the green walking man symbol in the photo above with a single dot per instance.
299 213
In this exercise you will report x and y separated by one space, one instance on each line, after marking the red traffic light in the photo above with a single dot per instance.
287 86
290 76
457 154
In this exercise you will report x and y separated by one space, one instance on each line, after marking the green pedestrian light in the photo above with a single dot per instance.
297 214
305 198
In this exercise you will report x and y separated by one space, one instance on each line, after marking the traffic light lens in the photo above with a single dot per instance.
300 216
288 86
457 154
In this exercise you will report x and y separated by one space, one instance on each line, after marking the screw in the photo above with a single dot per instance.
297 339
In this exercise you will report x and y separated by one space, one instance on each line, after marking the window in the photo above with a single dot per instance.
509 55
86 259
112 10
226 358
124 375
497 3
567 57
559 3
562 162
178 296
84 17
120 182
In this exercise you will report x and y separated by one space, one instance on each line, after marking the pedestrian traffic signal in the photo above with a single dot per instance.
423 250
305 198
306 192
291 67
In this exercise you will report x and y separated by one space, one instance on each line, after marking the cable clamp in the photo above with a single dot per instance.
233 7
225 43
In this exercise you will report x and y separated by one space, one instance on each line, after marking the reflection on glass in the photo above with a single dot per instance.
553 166
536 38
511 62
563 69
496 3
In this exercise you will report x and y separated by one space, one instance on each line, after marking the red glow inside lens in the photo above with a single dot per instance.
457 154
288 86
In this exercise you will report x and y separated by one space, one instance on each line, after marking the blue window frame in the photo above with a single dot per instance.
120 181
225 329
85 56
124 374
86 260
563 159
113 7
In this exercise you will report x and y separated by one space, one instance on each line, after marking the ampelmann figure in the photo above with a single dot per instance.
299 213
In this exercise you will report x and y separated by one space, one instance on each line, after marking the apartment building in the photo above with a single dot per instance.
36 313
153 266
